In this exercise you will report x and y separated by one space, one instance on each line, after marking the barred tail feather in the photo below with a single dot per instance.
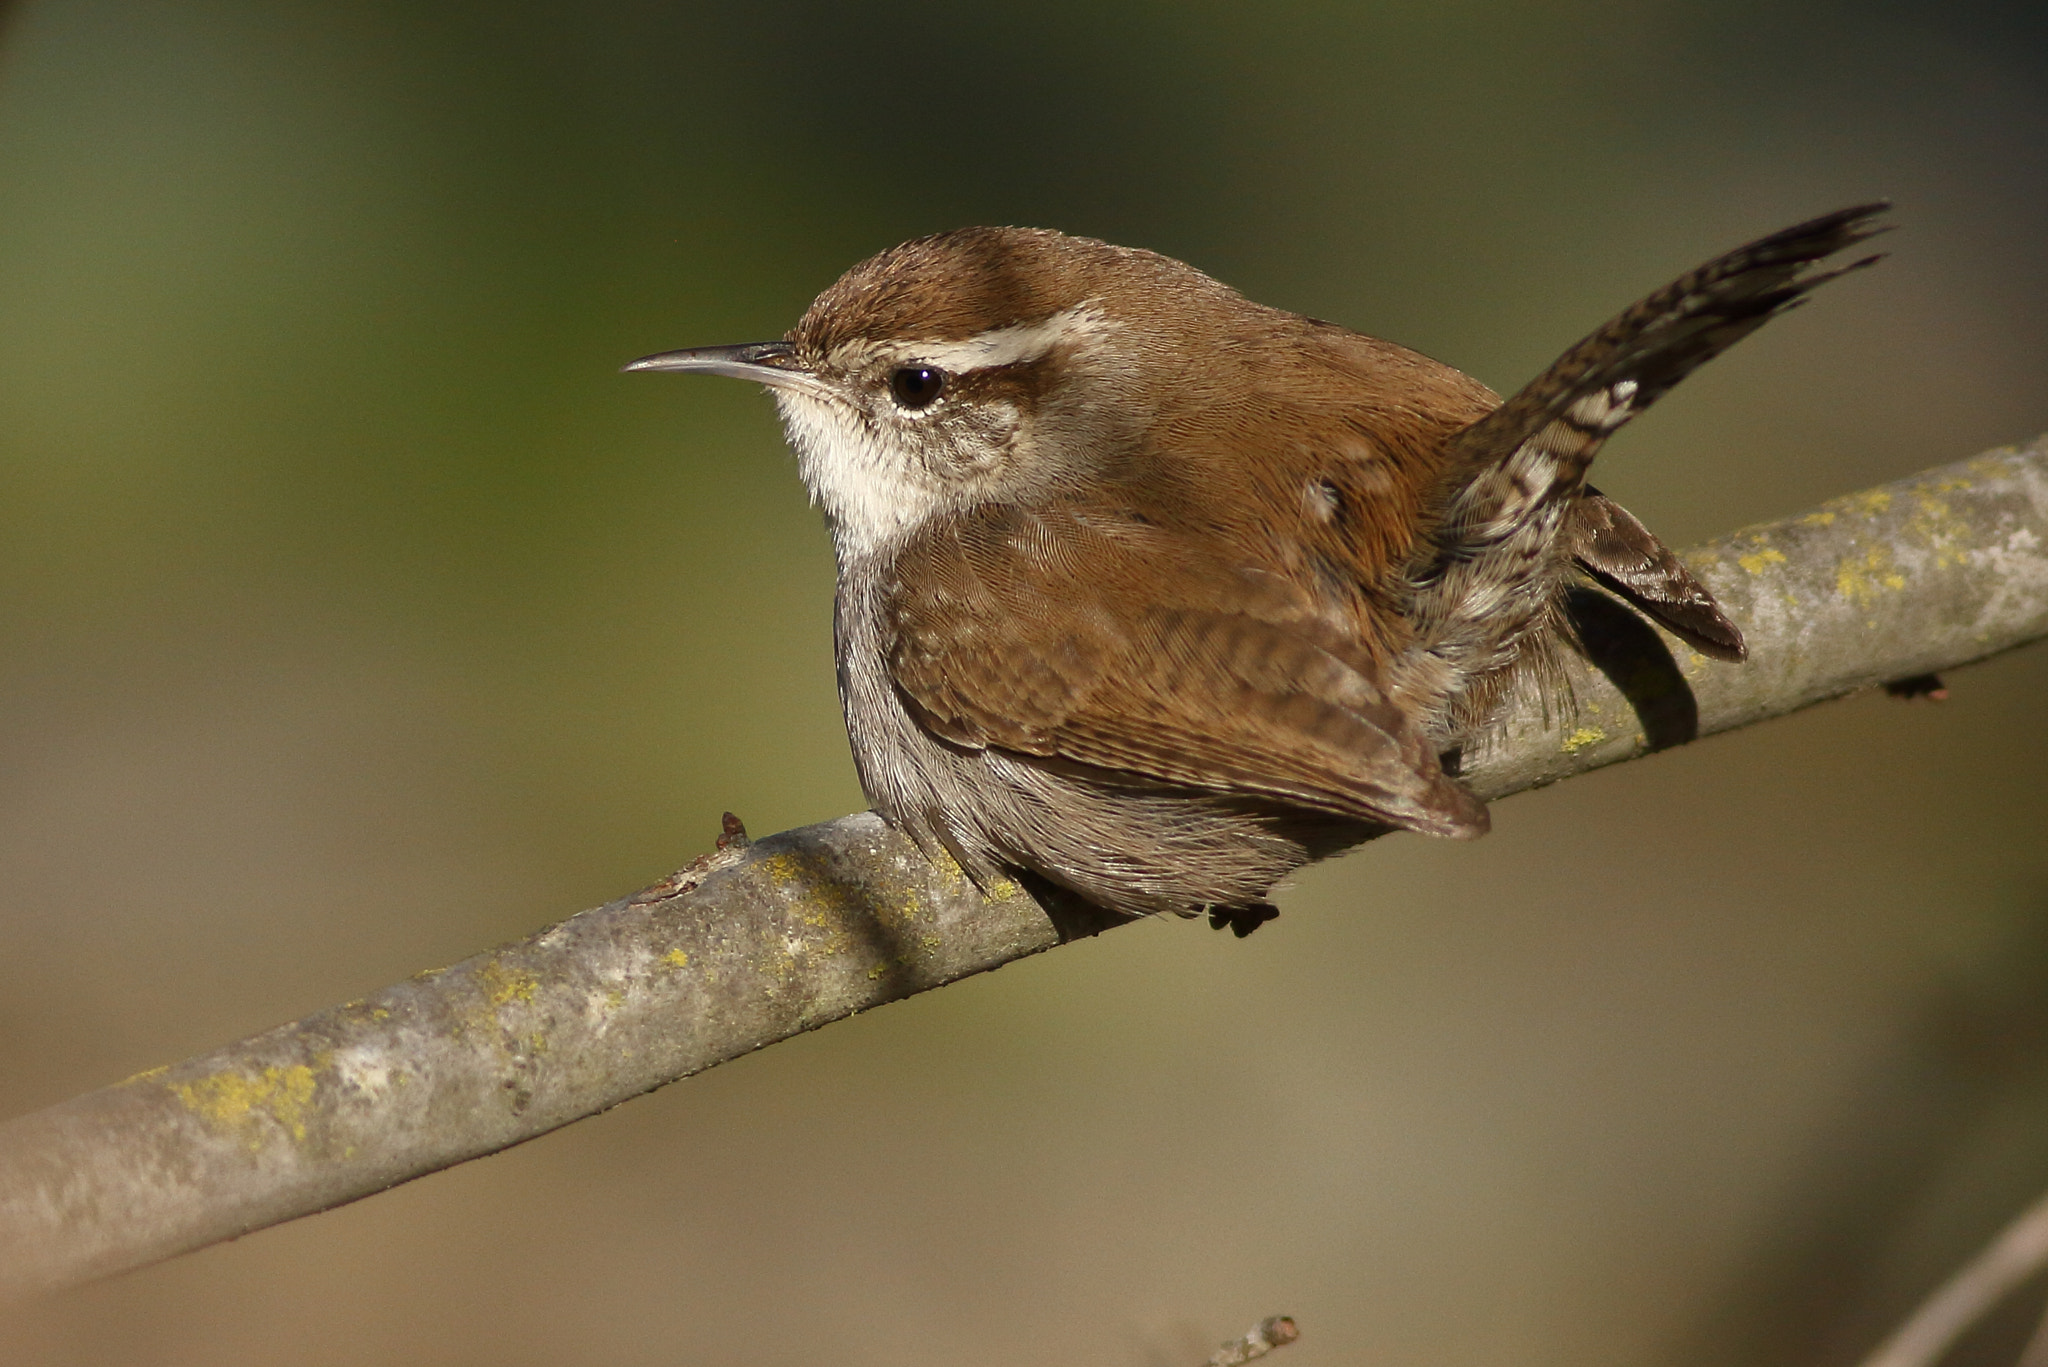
1501 547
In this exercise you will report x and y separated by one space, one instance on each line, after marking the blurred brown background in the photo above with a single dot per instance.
357 615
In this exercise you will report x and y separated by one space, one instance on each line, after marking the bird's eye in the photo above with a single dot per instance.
916 385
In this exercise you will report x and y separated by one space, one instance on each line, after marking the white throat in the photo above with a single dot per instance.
875 491
872 496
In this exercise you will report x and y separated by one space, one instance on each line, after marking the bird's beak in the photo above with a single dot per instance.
769 363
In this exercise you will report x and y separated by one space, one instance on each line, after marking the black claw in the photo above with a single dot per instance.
1242 920
1919 686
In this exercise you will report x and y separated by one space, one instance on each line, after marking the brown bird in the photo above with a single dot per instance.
1157 594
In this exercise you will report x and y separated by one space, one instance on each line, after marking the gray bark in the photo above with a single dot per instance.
761 942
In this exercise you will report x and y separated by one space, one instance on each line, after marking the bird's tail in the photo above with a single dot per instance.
1508 511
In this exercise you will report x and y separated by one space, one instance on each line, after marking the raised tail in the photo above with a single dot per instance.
1508 510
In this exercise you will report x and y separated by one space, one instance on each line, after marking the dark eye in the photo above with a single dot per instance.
917 385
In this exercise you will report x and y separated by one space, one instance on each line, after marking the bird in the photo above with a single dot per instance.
1151 595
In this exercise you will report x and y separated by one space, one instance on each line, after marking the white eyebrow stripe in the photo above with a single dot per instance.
1011 345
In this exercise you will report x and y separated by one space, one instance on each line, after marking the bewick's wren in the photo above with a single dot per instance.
1158 594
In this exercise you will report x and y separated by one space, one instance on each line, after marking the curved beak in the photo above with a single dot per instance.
769 363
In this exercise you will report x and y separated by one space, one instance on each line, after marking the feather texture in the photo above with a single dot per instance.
1490 570
1157 594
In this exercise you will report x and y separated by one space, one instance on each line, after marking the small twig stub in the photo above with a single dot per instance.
1261 1339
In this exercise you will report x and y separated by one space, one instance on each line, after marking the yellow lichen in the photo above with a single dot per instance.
1819 519
1872 500
826 908
677 958
1936 525
235 1103
1757 561
782 868
1583 737
1861 581
505 985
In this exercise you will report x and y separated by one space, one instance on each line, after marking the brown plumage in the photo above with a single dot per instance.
1156 593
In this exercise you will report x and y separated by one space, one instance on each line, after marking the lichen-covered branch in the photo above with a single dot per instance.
762 942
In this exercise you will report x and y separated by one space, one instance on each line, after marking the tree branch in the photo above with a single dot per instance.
761 942
2019 1251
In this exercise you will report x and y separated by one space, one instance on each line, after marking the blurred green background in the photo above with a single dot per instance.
357 615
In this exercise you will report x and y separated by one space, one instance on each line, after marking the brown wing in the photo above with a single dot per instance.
1021 630
1624 555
